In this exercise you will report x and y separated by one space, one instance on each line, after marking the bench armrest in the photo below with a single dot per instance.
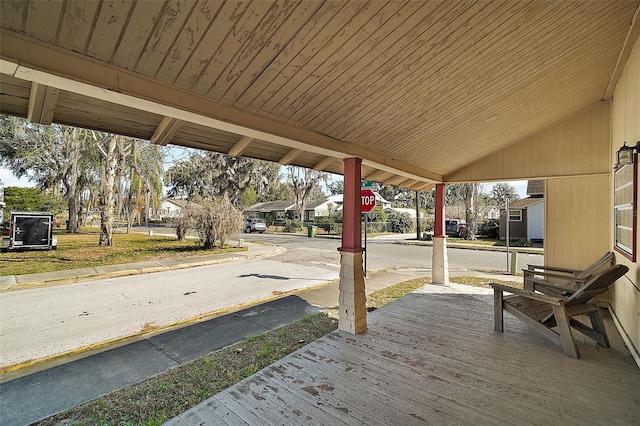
528 294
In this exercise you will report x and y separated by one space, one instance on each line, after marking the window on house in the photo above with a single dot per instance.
624 209
279 216
515 215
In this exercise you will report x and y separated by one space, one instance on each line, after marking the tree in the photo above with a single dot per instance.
30 199
467 194
107 145
304 183
501 192
209 175
50 155
336 187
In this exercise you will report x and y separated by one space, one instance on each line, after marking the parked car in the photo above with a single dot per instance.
455 227
254 224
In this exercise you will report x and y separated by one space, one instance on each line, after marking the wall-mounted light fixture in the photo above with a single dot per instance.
625 154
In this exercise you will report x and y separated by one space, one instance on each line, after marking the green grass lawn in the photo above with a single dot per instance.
81 251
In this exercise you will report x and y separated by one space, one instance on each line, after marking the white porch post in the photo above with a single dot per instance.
439 261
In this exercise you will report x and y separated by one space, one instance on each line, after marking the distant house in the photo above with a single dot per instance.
171 208
272 211
526 216
487 212
275 212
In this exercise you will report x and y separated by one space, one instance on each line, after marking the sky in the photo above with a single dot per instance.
8 179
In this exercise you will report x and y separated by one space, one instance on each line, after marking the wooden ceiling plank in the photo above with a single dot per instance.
580 64
195 29
426 66
196 67
77 24
166 130
12 13
109 27
289 156
424 49
451 75
238 148
283 98
141 23
42 103
285 22
240 33
362 31
311 41
168 27
516 72
425 187
324 163
486 93
372 78
44 20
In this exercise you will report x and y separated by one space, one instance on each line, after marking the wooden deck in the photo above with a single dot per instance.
433 357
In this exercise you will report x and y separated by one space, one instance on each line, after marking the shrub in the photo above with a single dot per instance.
292 225
184 222
490 228
215 222
400 222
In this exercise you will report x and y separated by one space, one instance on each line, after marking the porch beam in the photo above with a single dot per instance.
396 180
632 36
165 131
289 157
42 103
425 187
376 175
238 148
323 164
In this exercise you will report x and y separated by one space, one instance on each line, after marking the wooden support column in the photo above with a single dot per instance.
352 299
440 261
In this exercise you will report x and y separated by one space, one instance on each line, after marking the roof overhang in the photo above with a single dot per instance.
423 92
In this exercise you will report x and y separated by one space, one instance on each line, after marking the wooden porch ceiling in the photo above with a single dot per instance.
418 89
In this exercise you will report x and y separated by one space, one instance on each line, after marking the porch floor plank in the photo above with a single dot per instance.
433 357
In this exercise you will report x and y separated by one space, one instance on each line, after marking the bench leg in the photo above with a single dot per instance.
498 319
564 329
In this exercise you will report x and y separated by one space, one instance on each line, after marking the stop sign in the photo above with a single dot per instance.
367 200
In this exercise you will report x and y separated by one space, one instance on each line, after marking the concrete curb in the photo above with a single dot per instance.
528 250
70 276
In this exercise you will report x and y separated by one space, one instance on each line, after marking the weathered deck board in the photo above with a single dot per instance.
433 357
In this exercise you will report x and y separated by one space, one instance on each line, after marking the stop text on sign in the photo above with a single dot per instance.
367 200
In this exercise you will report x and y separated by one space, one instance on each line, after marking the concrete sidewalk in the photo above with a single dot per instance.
37 392
18 282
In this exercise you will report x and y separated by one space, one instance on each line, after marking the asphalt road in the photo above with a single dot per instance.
382 252
389 252
42 322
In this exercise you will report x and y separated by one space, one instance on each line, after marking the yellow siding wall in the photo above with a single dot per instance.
578 220
625 126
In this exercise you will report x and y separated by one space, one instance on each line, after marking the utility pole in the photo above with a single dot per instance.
507 230
417 215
